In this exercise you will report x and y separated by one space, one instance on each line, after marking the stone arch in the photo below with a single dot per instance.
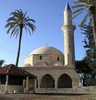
47 81
64 81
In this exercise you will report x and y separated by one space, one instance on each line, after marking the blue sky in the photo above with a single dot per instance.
48 15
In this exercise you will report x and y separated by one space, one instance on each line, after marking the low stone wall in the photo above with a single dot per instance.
15 88
2 88
87 89
20 89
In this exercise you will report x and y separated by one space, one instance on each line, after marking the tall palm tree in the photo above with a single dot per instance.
16 23
2 62
90 6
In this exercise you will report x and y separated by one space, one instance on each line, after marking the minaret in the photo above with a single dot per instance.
68 30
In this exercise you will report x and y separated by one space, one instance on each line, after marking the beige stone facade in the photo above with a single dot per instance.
55 71
45 56
53 79
48 67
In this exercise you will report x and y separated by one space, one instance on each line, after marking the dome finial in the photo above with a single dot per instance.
67 7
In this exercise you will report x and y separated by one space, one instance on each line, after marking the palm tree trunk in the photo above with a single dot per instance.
94 26
19 47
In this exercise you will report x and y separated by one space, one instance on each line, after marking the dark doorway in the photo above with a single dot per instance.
64 81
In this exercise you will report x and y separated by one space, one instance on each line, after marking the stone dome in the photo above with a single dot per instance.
27 65
47 50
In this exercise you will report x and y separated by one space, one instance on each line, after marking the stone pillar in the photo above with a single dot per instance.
34 84
6 85
55 84
27 84
24 83
38 83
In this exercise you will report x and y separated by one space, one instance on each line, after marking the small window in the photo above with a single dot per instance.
57 58
40 57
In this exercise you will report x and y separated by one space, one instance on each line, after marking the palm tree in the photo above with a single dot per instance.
2 62
90 6
16 23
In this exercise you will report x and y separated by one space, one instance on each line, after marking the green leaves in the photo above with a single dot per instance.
2 62
81 6
18 19
16 23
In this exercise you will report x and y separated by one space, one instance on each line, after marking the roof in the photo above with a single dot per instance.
11 69
47 50
67 7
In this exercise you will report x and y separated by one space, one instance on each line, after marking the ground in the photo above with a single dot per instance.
47 97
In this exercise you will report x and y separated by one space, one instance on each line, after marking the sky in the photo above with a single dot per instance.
48 15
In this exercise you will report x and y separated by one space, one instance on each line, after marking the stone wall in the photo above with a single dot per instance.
15 88
55 72
47 59
79 90
2 88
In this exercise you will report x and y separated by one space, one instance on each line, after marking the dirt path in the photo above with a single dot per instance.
45 97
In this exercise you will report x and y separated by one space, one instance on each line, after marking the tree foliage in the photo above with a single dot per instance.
90 7
87 66
2 62
16 23
90 47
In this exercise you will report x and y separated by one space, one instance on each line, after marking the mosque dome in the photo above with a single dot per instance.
47 50
27 65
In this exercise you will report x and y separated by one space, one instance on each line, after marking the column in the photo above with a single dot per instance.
27 84
55 84
6 84
34 84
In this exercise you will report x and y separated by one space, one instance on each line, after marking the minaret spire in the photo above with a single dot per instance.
67 7
68 30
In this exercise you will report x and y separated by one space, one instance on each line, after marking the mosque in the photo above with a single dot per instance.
54 71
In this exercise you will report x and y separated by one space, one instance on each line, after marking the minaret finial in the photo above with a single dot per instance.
67 7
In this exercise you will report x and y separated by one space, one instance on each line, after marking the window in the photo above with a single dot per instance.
40 57
57 58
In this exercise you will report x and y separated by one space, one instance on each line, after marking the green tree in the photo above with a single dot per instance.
83 69
90 47
2 62
90 6
16 24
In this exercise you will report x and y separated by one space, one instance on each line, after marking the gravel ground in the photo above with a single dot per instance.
47 97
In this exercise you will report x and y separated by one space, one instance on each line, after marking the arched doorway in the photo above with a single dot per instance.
47 81
64 81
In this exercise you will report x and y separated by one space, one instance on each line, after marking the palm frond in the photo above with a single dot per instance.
32 20
11 19
76 14
2 62
77 6
25 14
33 27
15 30
84 19
27 29
78 10
10 23
10 27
